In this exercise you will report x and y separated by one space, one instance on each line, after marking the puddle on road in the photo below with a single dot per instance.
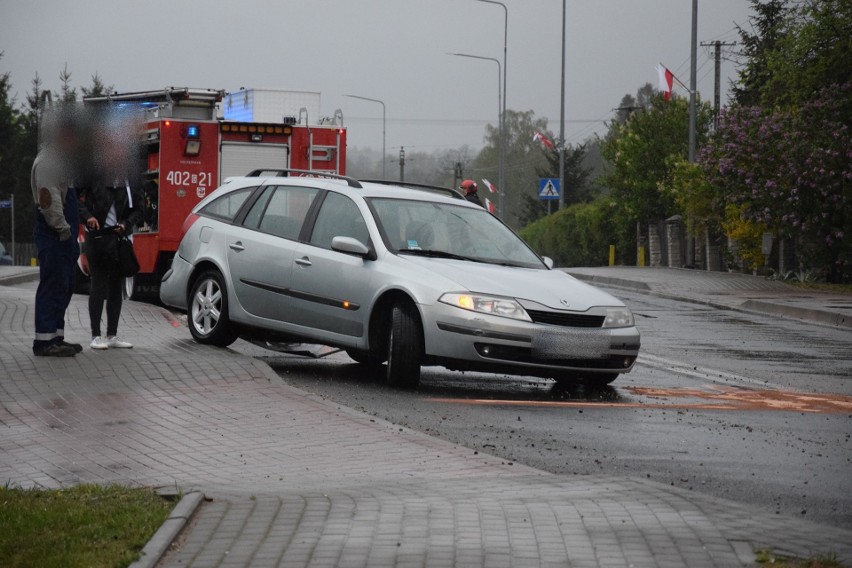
747 399
711 398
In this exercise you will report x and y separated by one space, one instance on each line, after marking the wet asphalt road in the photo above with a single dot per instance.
717 405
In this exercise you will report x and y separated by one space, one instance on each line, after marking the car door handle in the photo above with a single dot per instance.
237 246
304 261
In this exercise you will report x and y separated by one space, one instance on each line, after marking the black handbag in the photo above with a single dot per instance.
128 264
102 246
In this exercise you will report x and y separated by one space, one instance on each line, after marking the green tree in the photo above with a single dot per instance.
758 45
641 154
812 53
794 50
97 88
524 159
67 93
14 168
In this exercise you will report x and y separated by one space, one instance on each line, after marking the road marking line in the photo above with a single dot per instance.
703 373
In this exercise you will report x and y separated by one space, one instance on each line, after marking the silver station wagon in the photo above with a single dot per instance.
397 275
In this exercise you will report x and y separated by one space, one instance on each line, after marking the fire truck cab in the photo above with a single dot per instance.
188 150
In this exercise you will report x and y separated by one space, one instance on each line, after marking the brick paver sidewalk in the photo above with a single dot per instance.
296 480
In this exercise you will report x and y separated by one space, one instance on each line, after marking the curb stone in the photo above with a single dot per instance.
23 277
154 550
815 316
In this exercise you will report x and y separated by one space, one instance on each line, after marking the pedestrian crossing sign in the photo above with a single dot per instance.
548 188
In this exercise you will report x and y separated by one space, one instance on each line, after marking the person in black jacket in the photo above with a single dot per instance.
109 207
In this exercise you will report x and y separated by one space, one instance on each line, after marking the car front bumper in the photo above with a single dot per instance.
468 340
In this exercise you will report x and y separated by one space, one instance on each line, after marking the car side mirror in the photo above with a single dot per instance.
548 262
348 245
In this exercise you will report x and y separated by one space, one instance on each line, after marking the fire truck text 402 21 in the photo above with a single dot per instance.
189 178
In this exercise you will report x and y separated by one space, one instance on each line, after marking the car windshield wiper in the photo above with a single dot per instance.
433 253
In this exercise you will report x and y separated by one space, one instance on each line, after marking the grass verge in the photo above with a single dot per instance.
767 558
823 287
82 526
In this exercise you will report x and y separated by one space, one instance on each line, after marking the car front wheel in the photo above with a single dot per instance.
405 346
208 311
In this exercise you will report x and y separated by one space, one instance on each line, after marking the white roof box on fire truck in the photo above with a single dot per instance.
270 105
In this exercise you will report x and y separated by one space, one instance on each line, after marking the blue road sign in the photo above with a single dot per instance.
6 204
548 188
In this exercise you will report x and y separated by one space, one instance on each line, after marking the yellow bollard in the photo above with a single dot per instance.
641 257
33 261
612 255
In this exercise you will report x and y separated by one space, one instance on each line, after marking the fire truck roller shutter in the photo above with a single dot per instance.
240 158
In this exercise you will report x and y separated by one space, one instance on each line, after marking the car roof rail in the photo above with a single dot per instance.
278 172
423 186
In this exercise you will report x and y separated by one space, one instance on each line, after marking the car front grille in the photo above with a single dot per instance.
566 319
525 355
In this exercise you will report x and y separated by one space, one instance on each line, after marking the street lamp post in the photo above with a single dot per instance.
503 133
499 117
384 132
562 187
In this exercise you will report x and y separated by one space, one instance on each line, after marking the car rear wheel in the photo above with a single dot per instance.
208 311
405 346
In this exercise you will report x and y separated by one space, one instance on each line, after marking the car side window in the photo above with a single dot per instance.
252 219
339 216
286 211
227 206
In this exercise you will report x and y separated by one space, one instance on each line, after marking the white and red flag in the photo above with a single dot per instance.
489 205
539 137
489 185
666 80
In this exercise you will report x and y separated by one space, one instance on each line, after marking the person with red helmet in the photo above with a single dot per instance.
469 188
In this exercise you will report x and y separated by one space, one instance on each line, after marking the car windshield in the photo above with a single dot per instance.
442 230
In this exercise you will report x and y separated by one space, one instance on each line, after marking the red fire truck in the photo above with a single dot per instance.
189 151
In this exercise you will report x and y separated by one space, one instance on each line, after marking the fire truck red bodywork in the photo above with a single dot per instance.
187 155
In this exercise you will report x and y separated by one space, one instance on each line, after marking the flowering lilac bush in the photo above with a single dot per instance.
791 171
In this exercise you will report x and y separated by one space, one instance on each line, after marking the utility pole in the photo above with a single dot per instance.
717 105
458 174
561 146
402 163
693 85
12 199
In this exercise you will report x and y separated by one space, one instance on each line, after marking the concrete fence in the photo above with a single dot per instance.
668 241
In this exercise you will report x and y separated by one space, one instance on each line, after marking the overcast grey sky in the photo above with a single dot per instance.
394 50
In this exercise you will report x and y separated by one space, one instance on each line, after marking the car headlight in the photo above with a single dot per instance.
503 307
618 317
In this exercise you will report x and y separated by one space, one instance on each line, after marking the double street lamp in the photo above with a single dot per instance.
500 110
384 132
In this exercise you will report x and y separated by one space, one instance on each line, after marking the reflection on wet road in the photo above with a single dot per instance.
712 397
740 406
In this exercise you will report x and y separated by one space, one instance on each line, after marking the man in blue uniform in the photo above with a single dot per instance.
55 236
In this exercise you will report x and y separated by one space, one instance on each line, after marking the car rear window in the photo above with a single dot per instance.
227 206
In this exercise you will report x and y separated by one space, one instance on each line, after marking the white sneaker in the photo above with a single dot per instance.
117 343
99 343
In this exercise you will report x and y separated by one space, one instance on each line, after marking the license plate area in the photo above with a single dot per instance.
561 343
